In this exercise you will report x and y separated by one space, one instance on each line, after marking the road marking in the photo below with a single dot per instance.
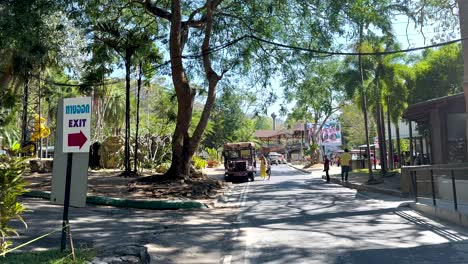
227 259
236 232
241 197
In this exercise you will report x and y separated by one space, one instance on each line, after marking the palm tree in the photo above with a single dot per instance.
126 43
384 80
114 114
355 83
364 20
147 56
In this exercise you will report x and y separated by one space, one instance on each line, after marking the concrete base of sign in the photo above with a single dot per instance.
79 179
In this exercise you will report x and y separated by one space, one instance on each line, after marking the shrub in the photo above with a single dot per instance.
212 154
199 163
163 167
11 186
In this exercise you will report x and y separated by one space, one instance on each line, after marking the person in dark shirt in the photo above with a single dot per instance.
326 167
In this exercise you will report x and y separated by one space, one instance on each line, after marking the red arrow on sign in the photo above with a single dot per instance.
77 139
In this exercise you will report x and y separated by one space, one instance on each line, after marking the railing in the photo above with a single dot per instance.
296 146
440 187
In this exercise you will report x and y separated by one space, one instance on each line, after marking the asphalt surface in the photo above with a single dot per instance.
298 218
291 218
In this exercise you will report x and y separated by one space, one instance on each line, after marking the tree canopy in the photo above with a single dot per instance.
237 48
438 73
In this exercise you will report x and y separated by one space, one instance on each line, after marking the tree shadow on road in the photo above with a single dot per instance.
324 223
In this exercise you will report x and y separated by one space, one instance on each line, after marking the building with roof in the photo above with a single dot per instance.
285 141
442 125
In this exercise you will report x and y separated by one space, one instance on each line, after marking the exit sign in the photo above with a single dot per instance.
76 124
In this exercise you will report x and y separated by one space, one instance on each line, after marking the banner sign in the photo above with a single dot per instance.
330 134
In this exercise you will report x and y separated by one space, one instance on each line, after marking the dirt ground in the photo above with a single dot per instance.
109 183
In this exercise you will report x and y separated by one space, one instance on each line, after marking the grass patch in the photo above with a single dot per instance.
54 256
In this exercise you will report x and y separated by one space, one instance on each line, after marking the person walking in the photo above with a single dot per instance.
263 167
345 160
326 167
268 168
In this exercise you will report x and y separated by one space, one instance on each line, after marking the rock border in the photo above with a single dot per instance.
126 253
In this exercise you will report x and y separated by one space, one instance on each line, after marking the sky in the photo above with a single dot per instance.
411 39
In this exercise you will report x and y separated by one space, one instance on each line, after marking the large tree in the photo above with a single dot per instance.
31 39
317 97
202 25
367 18
438 73
206 38
119 37
351 120
227 118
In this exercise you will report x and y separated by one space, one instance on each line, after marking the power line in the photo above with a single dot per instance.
318 51
324 53
52 82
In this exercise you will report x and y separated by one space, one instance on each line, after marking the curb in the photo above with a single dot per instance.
128 203
363 187
301 170
221 198
441 213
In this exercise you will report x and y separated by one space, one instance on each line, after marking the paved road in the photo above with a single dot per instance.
292 218
297 218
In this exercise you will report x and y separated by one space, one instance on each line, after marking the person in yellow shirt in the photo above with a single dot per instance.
345 160
262 167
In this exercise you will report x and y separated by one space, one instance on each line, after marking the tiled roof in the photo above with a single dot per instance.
422 110
266 133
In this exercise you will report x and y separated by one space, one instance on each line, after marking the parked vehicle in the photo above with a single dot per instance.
239 161
276 158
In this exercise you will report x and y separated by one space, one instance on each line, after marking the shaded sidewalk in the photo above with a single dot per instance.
358 180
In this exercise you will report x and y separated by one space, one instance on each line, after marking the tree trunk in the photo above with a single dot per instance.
180 165
313 148
39 97
127 116
24 118
384 165
463 14
184 146
137 118
380 137
390 141
400 161
302 146
181 158
366 129
364 106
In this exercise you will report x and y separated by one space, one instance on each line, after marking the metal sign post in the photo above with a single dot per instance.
73 136
66 205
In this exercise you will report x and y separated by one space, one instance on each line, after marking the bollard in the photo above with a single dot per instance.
415 185
433 188
455 203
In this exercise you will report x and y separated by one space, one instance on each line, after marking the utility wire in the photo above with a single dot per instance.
318 51
324 53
